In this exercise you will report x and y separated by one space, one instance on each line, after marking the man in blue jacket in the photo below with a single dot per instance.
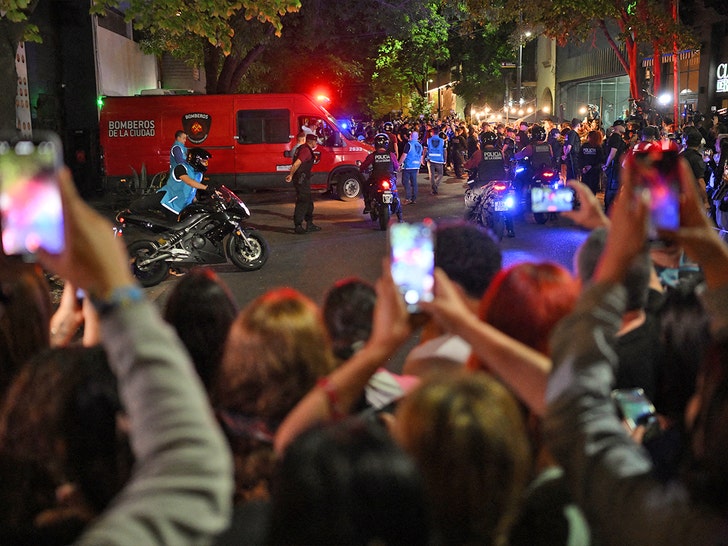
411 159
436 156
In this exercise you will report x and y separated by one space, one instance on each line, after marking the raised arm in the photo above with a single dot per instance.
181 488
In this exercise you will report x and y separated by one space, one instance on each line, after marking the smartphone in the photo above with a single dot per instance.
634 407
665 193
31 214
412 248
547 199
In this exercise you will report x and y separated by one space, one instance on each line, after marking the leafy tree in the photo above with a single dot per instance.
14 28
647 22
228 37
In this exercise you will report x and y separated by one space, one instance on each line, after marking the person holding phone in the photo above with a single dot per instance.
610 476
180 489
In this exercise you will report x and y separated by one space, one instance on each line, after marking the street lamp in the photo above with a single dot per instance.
519 73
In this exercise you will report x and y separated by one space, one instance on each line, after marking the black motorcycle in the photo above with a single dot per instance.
526 177
206 232
384 200
491 205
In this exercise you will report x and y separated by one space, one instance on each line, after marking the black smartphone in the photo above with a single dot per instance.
548 199
412 248
31 213
665 193
634 407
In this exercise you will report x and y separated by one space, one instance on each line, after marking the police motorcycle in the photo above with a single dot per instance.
209 231
382 187
490 198
532 168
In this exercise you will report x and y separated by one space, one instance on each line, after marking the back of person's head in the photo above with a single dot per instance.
60 416
594 138
467 434
25 314
526 301
637 278
685 335
707 415
276 350
469 256
348 483
649 133
202 309
348 310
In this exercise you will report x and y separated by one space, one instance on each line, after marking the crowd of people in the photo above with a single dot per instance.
580 149
279 422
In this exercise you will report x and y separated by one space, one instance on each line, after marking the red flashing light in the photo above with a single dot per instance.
548 174
499 186
386 185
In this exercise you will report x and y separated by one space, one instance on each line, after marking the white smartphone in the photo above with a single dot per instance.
31 213
412 248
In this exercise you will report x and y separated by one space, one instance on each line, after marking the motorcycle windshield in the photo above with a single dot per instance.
230 198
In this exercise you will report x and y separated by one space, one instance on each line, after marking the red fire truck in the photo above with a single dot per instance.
249 136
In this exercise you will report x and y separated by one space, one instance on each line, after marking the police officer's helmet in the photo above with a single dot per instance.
381 141
197 158
538 133
489 138
554 133
388 126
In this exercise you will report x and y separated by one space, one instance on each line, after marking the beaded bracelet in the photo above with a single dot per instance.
120 297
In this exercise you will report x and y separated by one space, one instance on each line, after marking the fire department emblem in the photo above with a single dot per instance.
197 126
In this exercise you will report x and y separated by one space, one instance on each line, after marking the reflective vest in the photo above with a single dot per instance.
436 149
414 157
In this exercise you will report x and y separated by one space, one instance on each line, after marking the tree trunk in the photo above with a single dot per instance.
656 70
234 67
212 66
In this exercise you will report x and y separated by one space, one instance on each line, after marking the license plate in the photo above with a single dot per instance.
387 197
500 206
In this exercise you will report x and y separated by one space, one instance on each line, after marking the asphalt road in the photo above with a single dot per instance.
350 244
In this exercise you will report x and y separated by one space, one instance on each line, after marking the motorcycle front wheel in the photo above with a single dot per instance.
152 274
247 254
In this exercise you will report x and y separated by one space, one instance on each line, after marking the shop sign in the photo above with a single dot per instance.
721 85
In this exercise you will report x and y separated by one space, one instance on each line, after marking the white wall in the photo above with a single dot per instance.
123 70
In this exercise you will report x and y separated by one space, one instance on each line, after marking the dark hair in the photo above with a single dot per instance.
344 484
201 309
25 314
348 310
469 256
179 133
61 415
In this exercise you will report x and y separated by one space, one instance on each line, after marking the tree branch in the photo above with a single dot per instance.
614 46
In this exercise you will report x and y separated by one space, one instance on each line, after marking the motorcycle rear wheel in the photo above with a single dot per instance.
250 255
499 226
152 274
384 217
540 217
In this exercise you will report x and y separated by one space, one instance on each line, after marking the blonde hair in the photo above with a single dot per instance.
467 433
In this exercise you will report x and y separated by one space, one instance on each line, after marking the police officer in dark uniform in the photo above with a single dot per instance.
300 175
383 162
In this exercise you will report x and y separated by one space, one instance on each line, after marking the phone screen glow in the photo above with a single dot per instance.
30 200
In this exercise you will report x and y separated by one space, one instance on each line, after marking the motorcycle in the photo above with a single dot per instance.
491 205
384 200
525 178
206 232
544 177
